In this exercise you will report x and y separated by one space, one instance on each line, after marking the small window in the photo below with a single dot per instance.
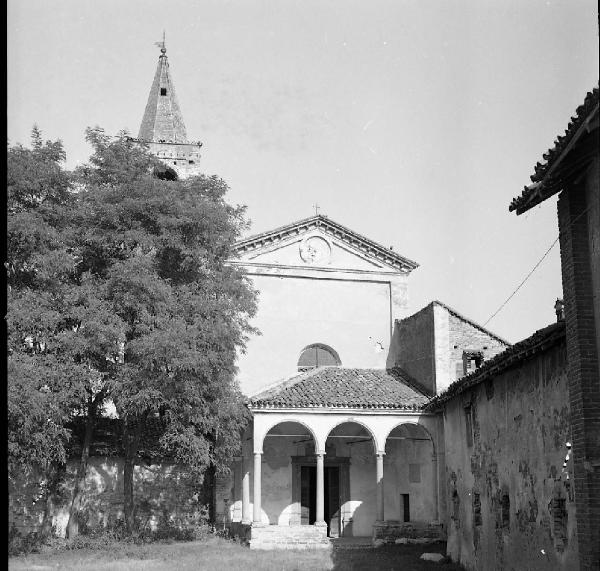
476 509
505 511
469 424
318 355
405 507
191 162
163 90
472 360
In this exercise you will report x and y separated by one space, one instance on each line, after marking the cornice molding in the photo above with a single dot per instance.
360 243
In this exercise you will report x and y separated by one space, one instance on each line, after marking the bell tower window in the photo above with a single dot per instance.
163 90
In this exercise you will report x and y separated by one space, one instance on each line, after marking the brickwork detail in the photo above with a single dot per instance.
583 370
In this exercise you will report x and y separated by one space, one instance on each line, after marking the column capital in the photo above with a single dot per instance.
379 453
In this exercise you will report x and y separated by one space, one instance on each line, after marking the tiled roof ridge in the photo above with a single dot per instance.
336 229
582 115
540 340
471 322
401 394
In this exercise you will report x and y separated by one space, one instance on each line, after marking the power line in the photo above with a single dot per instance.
535 267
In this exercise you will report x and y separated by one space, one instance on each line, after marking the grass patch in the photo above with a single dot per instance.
210 554
216 553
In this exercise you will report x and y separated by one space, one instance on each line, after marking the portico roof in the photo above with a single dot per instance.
326 387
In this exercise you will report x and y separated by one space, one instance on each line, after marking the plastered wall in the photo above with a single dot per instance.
160 491
352 317
510 504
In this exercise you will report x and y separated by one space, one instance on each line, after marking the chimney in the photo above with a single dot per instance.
559 308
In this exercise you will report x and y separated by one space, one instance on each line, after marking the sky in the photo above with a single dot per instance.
412 122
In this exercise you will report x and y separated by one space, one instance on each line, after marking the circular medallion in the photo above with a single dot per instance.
315 250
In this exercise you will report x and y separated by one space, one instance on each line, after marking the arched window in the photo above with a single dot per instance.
318 355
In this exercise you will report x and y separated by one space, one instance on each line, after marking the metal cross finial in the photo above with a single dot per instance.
162 45
316 207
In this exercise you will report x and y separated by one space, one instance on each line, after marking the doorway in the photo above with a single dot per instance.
308 497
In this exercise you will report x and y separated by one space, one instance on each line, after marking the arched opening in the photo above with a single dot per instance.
411 473
289 447
350 487
164 172
318 355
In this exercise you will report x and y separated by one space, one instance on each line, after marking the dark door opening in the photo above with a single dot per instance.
332 500
308 494
308 497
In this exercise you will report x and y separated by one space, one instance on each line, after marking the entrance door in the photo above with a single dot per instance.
308 495
332 500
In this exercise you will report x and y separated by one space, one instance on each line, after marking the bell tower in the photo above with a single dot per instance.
163 129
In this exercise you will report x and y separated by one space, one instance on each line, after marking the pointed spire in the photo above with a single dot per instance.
163 121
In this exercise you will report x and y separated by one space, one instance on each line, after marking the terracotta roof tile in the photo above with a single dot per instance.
535 193
344 388
517 353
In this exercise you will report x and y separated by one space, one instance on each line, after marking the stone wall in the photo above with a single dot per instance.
510 500
162 492
413 347
429 345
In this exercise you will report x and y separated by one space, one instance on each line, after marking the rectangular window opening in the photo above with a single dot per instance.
469 424
476 509
163 90
505 511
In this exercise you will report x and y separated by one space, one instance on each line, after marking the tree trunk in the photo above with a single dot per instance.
79 491
132 432
55 477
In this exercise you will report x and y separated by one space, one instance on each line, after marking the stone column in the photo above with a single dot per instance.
436 479
320 490
257 490
380 497
246 490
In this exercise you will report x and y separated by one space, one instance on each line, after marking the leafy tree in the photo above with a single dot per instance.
46 383
159 248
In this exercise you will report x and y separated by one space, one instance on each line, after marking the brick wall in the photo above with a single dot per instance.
578 223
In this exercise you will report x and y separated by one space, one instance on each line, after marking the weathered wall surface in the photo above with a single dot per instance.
408 469
429 346
160 491
462 336
352 317
510 505
413 347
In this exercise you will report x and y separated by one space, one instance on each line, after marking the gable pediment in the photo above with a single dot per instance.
319 242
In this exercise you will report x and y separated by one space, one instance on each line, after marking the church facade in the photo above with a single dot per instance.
340 443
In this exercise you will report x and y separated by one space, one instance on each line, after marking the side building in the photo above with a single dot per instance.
509 467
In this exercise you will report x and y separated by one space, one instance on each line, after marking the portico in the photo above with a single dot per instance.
342 466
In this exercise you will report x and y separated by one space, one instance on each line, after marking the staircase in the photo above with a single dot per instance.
289 537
